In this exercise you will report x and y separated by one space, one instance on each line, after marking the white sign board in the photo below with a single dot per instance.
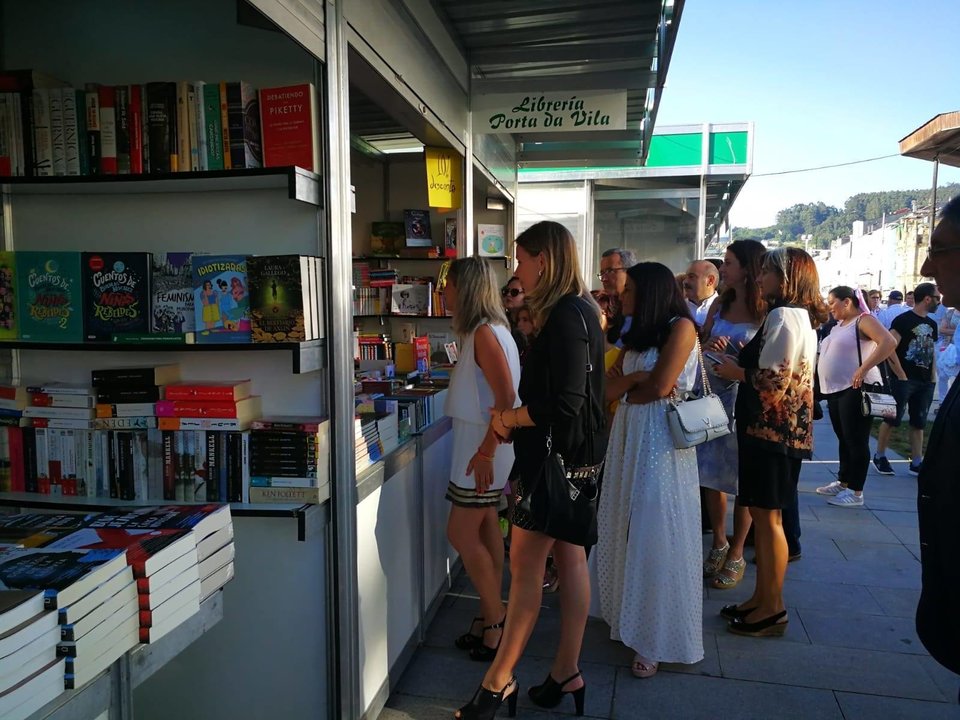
550 112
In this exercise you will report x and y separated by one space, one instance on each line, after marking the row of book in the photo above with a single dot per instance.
52 296
382 291
79 591
48 128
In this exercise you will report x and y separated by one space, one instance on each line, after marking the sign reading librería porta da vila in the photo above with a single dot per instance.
550 112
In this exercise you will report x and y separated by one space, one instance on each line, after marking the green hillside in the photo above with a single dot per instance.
825 222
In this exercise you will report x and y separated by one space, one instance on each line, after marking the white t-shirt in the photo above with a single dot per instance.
701 311
888 314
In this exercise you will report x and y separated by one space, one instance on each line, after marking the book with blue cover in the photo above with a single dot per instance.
221 298
64 575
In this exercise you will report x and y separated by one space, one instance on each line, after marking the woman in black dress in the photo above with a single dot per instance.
554 391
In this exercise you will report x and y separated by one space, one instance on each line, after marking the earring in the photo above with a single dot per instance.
539 273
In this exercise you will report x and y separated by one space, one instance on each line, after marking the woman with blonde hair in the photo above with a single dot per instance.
562 391
486 377
775 425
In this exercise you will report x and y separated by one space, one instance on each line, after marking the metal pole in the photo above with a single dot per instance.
342 552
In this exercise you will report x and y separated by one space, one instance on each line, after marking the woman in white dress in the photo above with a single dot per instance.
486 376
649 551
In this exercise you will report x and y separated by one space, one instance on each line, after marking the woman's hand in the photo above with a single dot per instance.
481 467
729 369
499 429
718 343
858 377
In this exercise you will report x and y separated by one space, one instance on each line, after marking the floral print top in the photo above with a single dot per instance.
775 405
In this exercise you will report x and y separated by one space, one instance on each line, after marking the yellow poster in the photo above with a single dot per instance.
444 176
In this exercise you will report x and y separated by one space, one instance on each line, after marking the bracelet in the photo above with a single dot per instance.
483 456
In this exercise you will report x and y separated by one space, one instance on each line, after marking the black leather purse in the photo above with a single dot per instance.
563 500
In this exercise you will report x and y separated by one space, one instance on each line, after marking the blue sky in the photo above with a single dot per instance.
824 82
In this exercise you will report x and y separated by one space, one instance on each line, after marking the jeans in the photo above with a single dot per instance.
853 432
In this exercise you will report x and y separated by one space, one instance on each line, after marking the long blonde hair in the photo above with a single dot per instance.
561 269
478 295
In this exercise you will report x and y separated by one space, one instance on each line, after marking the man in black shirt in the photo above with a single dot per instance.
938 502
914 366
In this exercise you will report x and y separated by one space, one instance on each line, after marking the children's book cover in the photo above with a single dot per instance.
49 300
116 293
278 288
172 308
8 296
417 225
491 240
221 298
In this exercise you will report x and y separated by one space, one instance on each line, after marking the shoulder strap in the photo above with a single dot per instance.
856 339
588 365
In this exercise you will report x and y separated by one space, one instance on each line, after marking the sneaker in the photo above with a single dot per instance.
915 469
882 465
831 489
847 498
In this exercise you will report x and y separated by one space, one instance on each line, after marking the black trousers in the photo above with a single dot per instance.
853 432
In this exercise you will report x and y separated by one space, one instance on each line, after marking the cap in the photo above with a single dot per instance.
896 295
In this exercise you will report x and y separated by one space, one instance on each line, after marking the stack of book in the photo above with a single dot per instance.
369 447
128 396
289 459
31 673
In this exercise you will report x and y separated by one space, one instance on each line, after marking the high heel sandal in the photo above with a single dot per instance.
768 627
550 693
482 653
485 703
732 612
468 640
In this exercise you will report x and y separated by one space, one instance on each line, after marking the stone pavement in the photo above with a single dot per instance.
850 652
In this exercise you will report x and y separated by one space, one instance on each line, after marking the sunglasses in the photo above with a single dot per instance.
511 292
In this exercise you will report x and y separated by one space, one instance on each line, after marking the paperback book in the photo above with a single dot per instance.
172 310
116 293
50 298
417 226
280 305
221 298
8 297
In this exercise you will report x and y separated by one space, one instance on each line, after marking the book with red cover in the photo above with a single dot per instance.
135 114
108 130
228 391
246 408
288 122
147 550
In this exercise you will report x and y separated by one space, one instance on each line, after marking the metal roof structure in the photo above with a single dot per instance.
571 45
938 139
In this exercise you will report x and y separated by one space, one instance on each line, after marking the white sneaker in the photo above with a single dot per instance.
847 498
832 489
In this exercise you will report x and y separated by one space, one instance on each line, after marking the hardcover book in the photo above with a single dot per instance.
162 126
279 298
221 299
8 296
386 238
50 297
116 293
212 126
172 308
490 240
288 122
417 225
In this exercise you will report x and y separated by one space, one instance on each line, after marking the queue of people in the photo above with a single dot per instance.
578 398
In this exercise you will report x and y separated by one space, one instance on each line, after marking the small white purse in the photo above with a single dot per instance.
697 420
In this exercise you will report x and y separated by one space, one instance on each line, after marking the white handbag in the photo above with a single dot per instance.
697 420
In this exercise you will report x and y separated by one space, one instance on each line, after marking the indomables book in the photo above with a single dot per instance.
49 296
221 300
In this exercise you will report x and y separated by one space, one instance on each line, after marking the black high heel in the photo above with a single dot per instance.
482 653
485 703
550 693
732 612
468 640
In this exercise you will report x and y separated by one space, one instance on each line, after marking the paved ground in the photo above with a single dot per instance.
850 652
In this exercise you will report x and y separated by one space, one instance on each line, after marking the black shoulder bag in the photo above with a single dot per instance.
563 500
875 400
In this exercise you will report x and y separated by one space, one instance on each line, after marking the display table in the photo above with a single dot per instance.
111 693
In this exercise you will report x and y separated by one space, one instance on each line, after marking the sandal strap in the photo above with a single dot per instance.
569 679
495 626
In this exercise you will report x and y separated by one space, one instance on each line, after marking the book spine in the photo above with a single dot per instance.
183 126
200 110
212 128
124 423
212 466
124 410
252 144
225 127
42 138
169 466
286 495
57 400
108 131
192 126
71 132
91 103
17 475
160 121
113 465
115 395
145 130
135 114
30 460
199 423
125 376
43 463
122 115
235 123
204 393
55 104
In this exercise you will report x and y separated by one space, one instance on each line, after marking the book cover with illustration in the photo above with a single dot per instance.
8 296
172 307
491 240
386 238
417 225
288 123
279 298
450 237
116 293
221 299
50 298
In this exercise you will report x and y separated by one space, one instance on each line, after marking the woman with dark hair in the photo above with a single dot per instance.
731 324
555 385
775 425
649 552
849 356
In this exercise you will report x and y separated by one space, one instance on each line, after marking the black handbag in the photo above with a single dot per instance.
563 500
875 399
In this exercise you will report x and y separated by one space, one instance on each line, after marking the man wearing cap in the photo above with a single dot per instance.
895 306
938 501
